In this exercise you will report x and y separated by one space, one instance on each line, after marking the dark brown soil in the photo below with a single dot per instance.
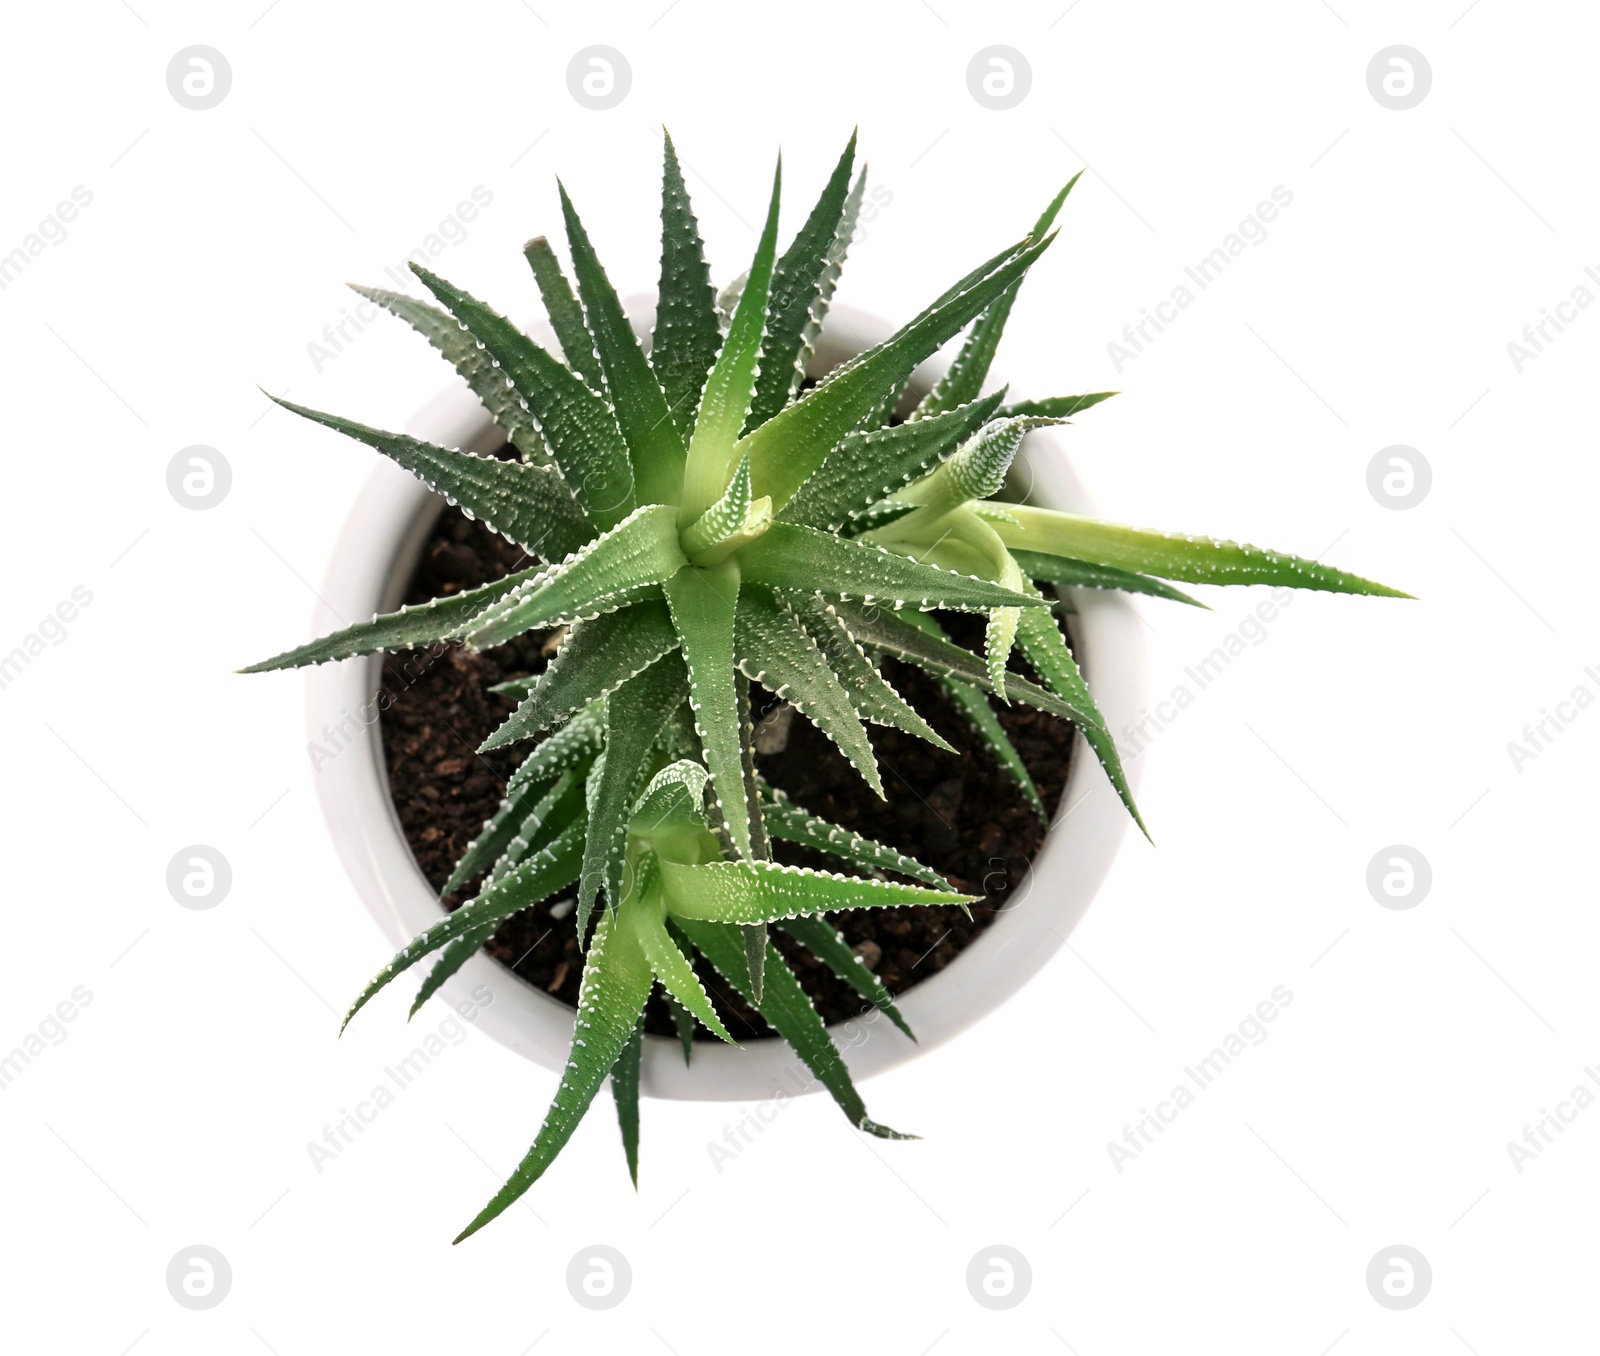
962 816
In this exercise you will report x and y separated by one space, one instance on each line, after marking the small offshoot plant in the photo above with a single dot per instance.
697 518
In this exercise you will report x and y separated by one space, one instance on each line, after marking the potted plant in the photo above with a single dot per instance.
694 520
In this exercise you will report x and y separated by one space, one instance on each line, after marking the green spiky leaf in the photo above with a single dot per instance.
556 810
597 657
683 1020
1081 574
1058 407
866 466
728 390
566 315
473 362
959 539
967 373
790 822
975 707
1046 648
791 1015
687 335
728 524
802 286
755 934
902 635
625 1093
823 941
775 650
979 469
409 628
672 803
525 797
577 424
526 504
570 749
875 700
451 959
1191 560
536 879
654 447
616 983
803 560
643 913
764 892
639 554
760 848
635 713
703 604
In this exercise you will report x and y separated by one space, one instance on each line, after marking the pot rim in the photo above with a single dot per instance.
368 571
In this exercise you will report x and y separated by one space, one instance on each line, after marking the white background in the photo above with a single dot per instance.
1378 310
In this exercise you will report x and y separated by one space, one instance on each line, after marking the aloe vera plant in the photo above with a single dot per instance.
696 519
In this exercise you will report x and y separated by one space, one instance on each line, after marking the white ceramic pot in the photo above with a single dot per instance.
369 571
